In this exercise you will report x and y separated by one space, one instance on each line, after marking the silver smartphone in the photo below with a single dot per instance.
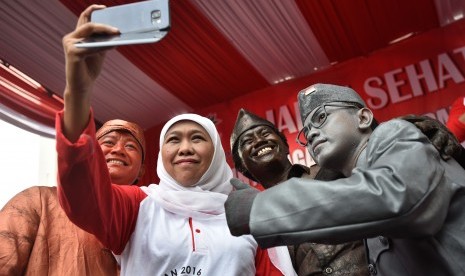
140 22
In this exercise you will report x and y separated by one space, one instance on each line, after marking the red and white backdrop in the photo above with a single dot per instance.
223 55
422 75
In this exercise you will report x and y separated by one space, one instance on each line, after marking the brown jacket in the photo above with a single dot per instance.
325 259
37 238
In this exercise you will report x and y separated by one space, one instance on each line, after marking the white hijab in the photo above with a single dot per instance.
207 196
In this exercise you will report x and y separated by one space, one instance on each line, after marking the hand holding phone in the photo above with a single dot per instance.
140 22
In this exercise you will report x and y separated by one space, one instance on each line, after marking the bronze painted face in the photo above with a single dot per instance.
247 121
260 149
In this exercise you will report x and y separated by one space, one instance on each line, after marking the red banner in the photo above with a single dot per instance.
421 75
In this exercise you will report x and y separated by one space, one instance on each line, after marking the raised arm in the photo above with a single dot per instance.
85 191
82 69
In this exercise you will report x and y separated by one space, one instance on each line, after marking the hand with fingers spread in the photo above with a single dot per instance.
82 69
238 207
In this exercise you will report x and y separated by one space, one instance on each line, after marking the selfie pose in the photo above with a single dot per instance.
176 227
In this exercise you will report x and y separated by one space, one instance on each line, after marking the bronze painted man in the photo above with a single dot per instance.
260 152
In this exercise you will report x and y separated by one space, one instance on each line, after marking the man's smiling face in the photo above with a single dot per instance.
259 147
123 155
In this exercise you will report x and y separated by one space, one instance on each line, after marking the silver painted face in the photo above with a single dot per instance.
317 119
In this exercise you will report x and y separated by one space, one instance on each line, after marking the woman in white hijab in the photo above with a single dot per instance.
177 227
185 212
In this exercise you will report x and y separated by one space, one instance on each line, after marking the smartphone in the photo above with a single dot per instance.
140 22
135 17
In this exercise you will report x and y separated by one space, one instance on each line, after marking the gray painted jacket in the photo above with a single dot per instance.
402 196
